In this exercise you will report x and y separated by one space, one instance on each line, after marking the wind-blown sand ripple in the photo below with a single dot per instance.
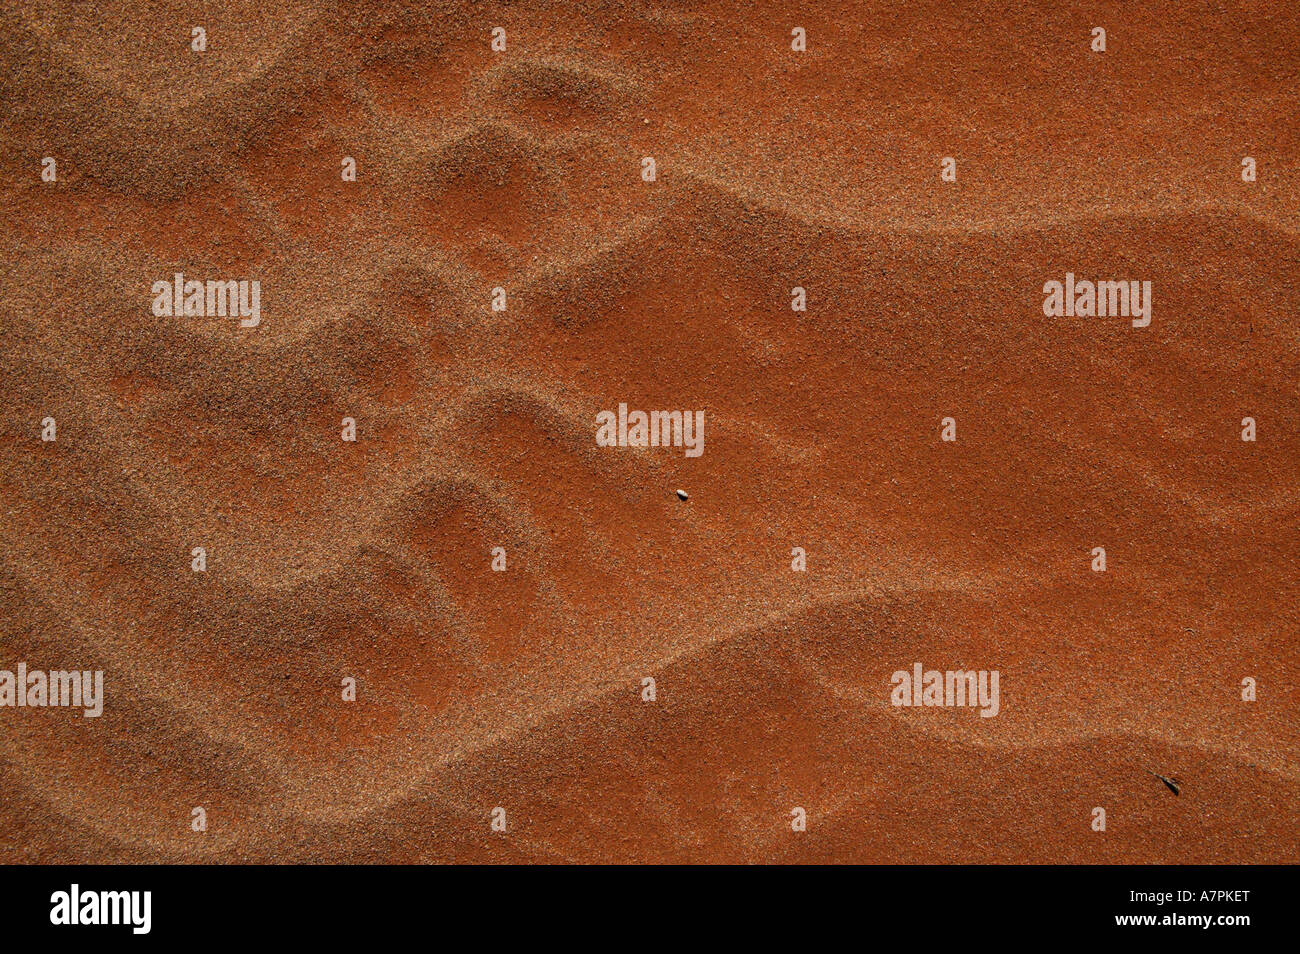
522 170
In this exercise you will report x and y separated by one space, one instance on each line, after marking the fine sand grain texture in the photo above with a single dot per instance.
522 170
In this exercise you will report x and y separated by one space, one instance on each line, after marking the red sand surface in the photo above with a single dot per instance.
521 689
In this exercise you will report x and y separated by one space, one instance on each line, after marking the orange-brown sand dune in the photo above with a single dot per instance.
516 177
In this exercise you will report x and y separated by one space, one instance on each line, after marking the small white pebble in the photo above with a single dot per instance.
683 495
